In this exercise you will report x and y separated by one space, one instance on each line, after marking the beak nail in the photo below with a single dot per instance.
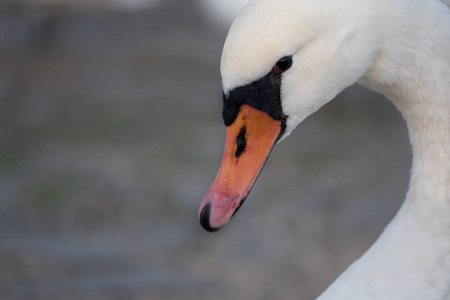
204 218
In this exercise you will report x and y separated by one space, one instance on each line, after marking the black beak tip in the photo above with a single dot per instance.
204 218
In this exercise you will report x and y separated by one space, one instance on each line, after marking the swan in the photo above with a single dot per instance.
284 59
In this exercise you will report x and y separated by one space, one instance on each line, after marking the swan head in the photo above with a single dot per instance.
282 61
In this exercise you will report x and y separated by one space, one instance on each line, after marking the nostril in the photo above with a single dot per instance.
204 218
241 142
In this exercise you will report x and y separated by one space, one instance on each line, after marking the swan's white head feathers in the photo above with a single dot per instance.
331 50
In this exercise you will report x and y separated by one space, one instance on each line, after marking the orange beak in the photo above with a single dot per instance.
249 140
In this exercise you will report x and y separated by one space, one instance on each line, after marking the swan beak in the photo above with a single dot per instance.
249 140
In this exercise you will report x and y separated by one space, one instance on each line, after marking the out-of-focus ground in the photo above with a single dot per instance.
111 132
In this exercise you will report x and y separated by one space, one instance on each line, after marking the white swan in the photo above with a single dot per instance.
284 59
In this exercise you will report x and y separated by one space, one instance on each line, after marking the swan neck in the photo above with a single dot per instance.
412 69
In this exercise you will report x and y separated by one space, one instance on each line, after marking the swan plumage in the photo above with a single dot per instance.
397 48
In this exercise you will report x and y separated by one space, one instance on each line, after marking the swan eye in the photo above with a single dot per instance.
282 65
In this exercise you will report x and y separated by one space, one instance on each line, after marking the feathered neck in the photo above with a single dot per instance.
411 259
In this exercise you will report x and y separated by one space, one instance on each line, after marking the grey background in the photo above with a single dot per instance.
111 132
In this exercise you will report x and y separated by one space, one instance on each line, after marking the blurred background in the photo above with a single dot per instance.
111 132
